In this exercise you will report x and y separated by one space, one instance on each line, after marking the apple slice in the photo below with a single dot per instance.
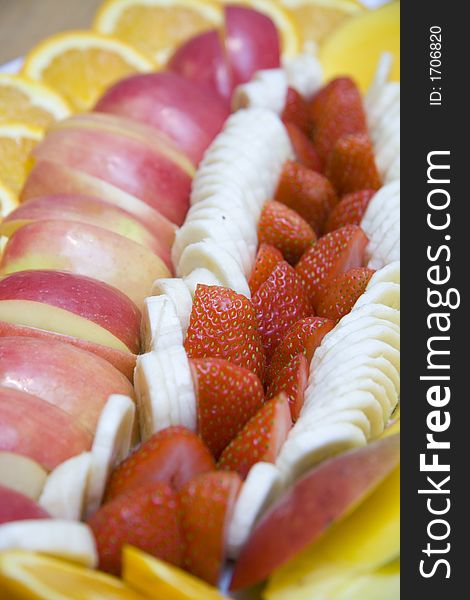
84 250
15 506
182 110
76 381
131 156
34 428
22 474
306 510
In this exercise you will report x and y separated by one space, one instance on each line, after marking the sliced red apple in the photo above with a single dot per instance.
131 156
84 250
41 431
15 506
184 111
76 381
307 509
22 474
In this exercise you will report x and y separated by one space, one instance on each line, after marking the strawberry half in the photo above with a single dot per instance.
146 517
266 260
342 292
279 303
206 508
223 325
296 111
351 166
285 229
227 397
304 150
307 192
331 255
350 210
303 337
292 380
173 455
260 439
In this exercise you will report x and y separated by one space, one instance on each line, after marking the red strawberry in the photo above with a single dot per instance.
266 259
227 397
331 255
336 111
303 337
292 380
307 192
285 229
351 166
173 455
350 210
206 507
304 150
279 303
146 517
223 325
296 110
342 292
260 439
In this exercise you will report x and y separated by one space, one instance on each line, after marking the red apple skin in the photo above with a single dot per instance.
122 361
311 505
49 178
184 111
32 427
105 147
91 299
15 506
76 381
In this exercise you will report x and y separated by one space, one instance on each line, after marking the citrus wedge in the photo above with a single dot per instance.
157 579
28 101
355 47
82 64
157 27
30 576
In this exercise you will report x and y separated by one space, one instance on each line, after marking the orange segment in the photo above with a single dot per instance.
81 65
16 142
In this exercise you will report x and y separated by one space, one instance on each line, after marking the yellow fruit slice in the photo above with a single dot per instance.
81 65
316 19
16 142
384 583
355 47
157 27
28 101
158 579
8 201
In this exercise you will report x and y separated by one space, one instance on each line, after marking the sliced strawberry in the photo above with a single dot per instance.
342 292
331 255
227 397
351 166
336 111
304 150
307 192
292 380
266 260
206 509
223 325
279 303
296 111
173 455
303 337
285 229
146 517
260 439
350 210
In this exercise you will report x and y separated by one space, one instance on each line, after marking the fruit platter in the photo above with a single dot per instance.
200 305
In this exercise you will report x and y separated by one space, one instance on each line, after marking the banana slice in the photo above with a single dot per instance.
381 292
388 274
182 388
385 241
375 310
68 540
381 77
64 492
393 172
200 276
267 89
304 73
356 330
176 290
111 445
260 488
310 421
22 474
379 204
385 100
161 327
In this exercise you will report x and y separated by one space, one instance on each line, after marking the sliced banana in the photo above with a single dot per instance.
267 89
182 389
68 540
22 474
310 421
304 73
161 326
388 274
385 100
381 292
111 445
176 290
200 276
375 310
258 491
64 492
